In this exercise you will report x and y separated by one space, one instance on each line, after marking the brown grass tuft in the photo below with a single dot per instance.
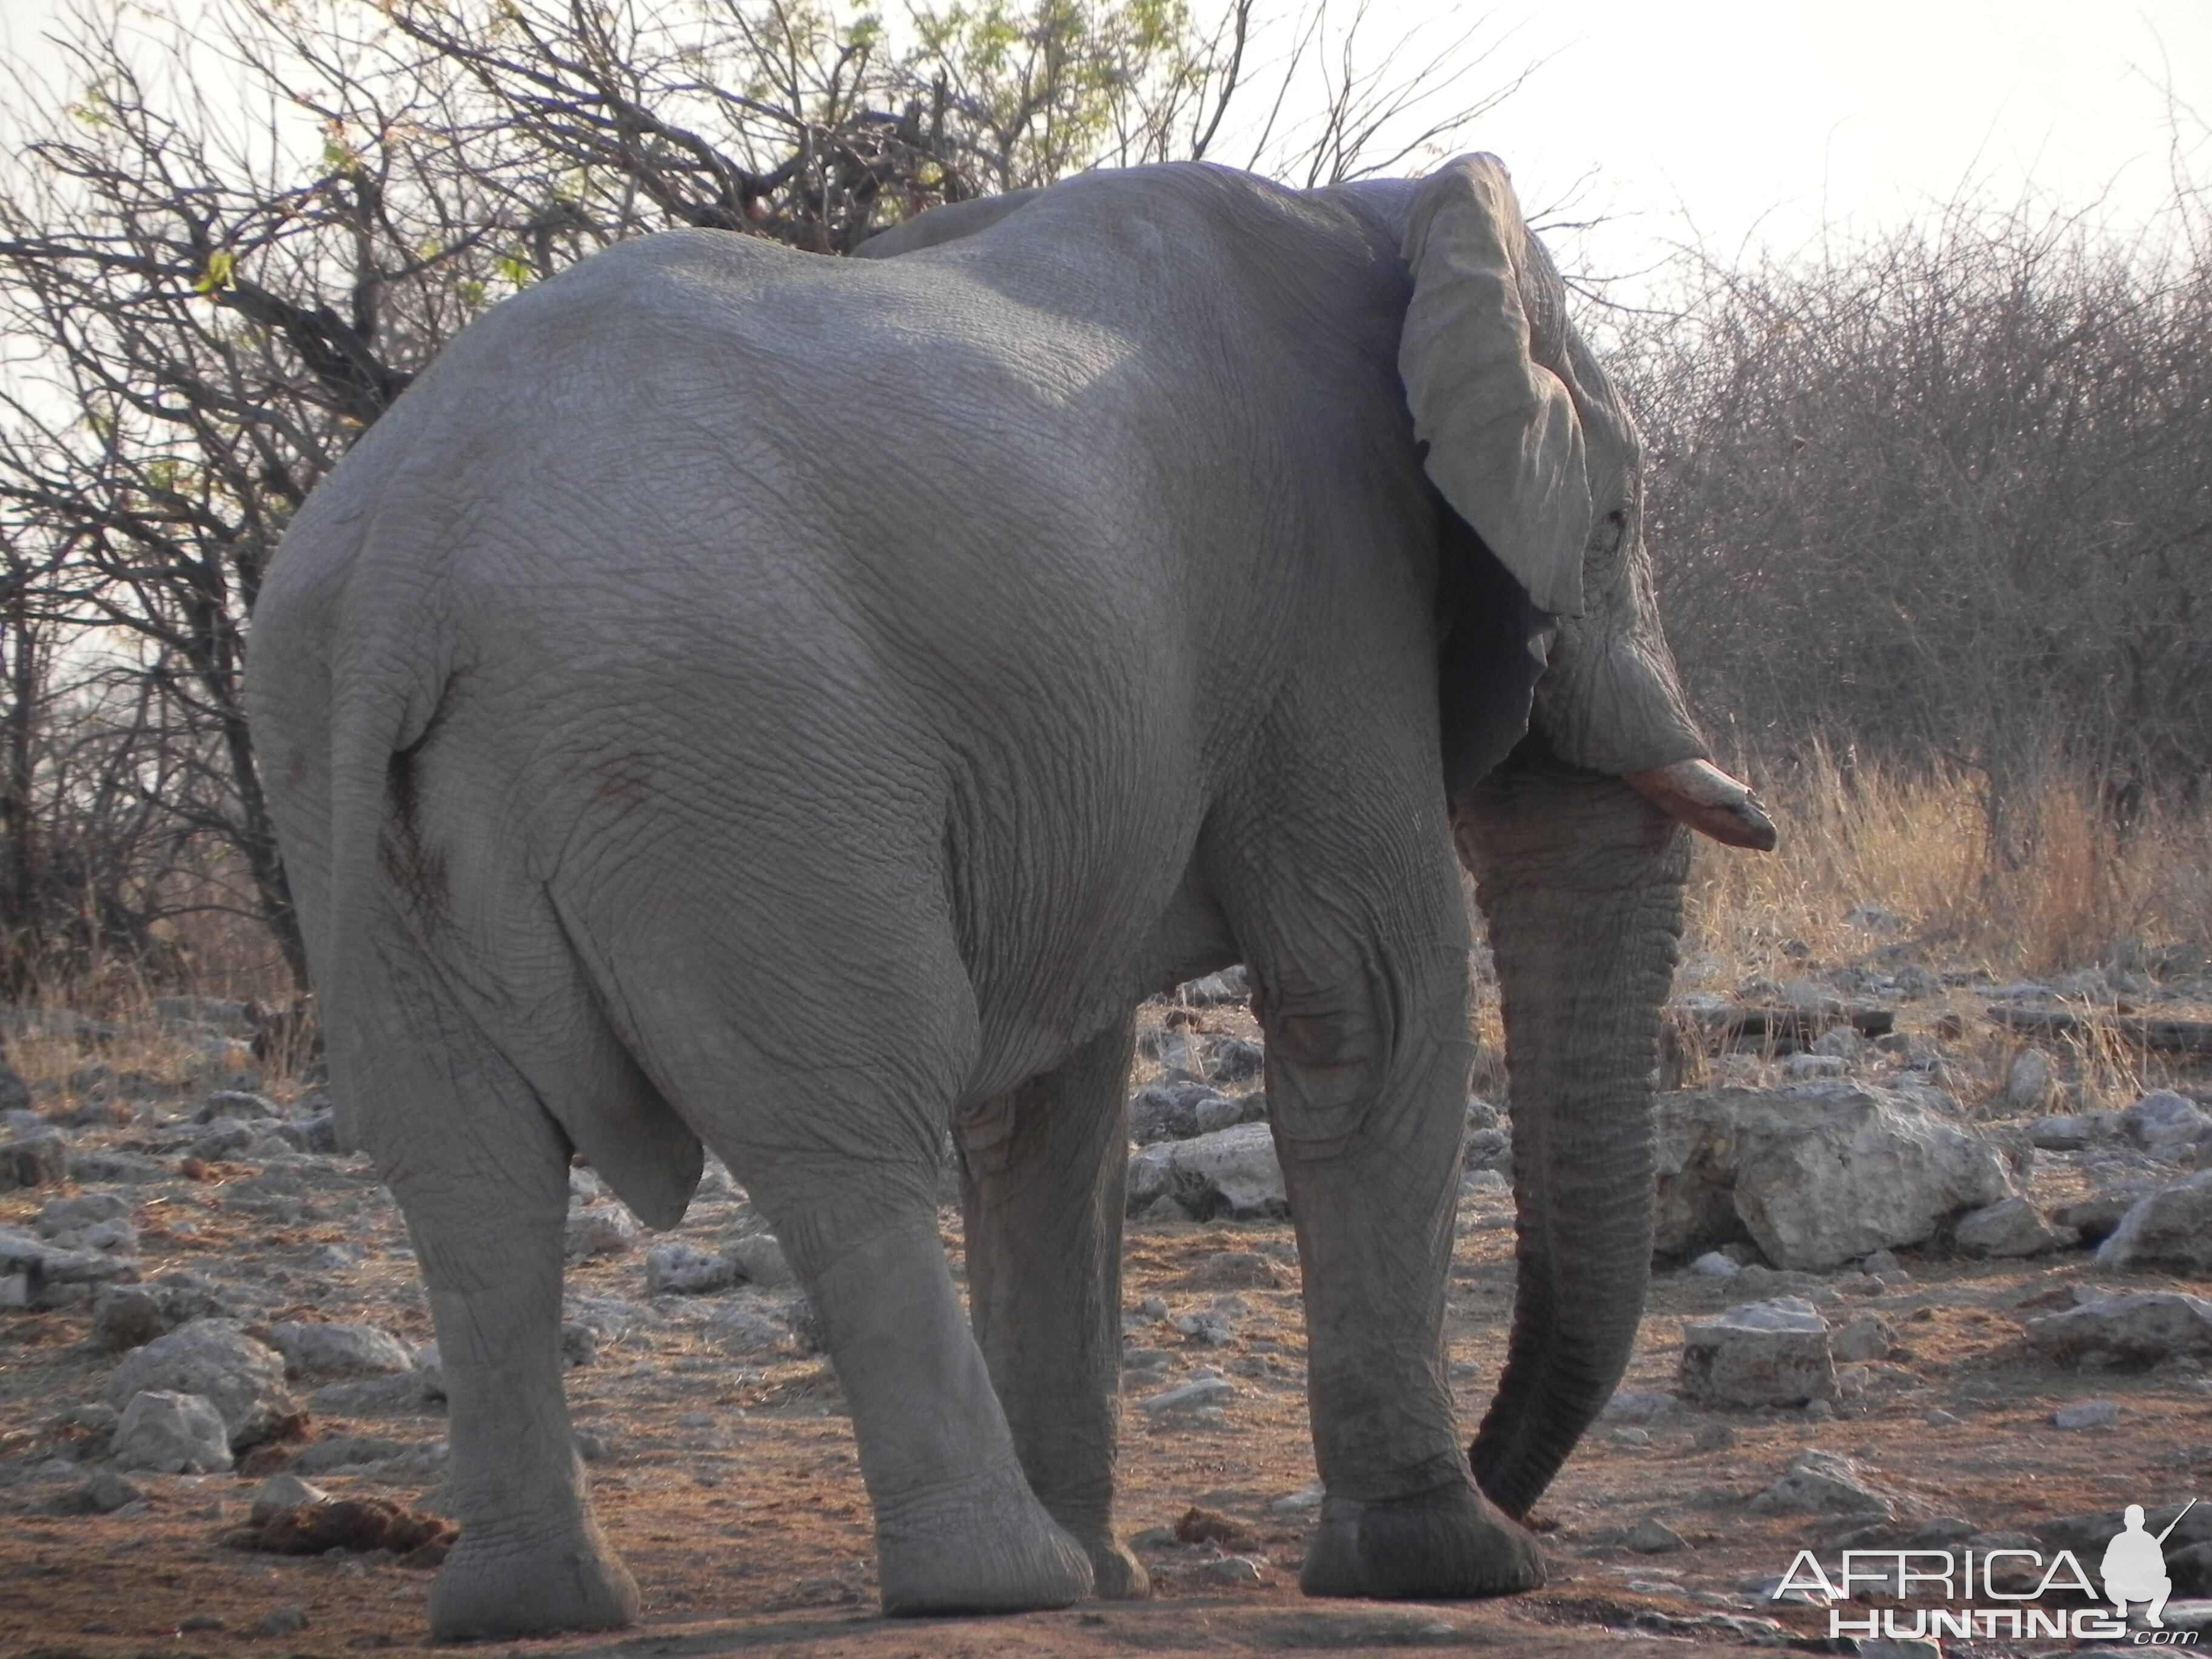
2051 883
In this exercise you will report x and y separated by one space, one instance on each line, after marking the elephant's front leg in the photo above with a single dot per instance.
1042 1173
1367 1059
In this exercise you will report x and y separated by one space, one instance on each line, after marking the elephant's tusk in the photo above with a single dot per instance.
1708 800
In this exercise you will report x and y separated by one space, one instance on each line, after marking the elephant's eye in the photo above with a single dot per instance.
1617 522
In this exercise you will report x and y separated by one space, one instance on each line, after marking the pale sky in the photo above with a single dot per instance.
1736 121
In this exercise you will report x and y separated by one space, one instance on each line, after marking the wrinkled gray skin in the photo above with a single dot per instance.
798 705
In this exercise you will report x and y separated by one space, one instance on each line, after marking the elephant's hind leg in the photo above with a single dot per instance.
1042 1173
481 1172
957 1528
844 1159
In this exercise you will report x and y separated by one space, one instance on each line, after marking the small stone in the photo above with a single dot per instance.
1231 1170
761 1258
2060 1134
2010 1227
176 1433
2165 1124
1188 1396
1713 1265
2030 1082
1640 1406
105 1493
1820 1411
87 1168
64 1215
1169 1110
1820 1483
1206 1325
243 1379
2145 1326
1714 1437
1232 1058
2086 1415
281 1621
1234 1570
1652 1536
284 1492
1217 1112
1842 1043
675 1268
601 1229
235 1103
579 1343
1940 1419
40 1159
2169 1228
1773 1352
127 1317
225 1141
1227 987
1899 1647
341 1350
1868 1336
1305 1498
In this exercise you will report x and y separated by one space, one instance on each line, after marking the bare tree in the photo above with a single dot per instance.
1950 493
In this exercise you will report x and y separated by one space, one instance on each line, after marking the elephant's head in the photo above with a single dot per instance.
1572 839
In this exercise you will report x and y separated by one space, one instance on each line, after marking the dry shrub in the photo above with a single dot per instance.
2051 883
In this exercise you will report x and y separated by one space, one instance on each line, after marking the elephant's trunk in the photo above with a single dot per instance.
1581 876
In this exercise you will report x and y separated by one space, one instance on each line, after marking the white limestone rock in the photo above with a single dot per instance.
1232 1170
341 1350
1816 1173
1762 1353
242 1378
177 1433
2169 1228
2010 1227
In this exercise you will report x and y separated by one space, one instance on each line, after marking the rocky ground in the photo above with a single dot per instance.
1927 1283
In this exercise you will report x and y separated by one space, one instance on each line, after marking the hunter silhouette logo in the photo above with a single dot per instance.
2134 1567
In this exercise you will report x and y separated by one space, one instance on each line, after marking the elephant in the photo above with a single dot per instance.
803 707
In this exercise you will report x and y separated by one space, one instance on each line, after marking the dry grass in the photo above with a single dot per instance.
2058 887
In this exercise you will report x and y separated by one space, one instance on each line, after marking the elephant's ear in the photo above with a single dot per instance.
1506 447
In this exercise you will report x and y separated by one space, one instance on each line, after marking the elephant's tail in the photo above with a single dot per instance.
341 700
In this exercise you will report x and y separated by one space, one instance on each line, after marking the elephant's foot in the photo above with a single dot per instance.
988 1547
1117 1575
495 1585
1440 1544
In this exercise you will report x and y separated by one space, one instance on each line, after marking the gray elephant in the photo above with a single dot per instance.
803 706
